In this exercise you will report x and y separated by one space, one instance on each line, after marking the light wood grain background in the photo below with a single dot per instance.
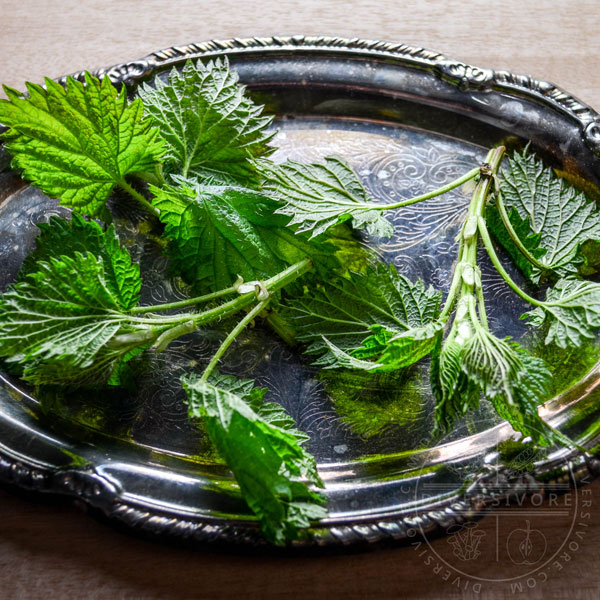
48 549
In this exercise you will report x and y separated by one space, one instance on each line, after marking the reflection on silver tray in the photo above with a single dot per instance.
408 120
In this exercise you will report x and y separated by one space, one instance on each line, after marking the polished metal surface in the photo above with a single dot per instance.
408 121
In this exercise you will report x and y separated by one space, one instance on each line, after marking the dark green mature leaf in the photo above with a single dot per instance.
77 144
211 128
339 317
61 237
65 324
563 217
572 308
264 452
530 240
320 196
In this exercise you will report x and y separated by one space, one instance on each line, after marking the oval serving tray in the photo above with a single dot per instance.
408 120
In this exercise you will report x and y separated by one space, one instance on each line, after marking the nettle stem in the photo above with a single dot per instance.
438 192
513 234
214 361
467 271
140 199
168 328
183 303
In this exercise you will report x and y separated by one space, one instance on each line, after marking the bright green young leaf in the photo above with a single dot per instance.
572 307
562 216
211 128
263 450
61 237
218 232
472 362
77 143
454 392
66 324
359 317
320 196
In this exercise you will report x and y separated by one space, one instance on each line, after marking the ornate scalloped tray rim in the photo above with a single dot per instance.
465 76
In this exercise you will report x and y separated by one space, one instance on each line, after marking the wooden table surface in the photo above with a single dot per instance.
50 550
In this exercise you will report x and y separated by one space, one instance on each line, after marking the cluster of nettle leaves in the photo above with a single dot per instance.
241 230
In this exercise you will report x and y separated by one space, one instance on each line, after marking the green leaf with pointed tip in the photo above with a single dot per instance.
218 232
320 196
263 452
572 307
211 241
212 130
343 313
65 324
454 392
77 143
61 237
562 216
529 390
389 349
471 362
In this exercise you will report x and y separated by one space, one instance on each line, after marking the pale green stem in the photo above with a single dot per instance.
513 235
228 308
231 337
133 192
446 188
487 242
183 303
469 233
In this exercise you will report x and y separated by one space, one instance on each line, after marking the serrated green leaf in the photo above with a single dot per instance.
211 240
65 324
455 394
219 232
211 128
529 391
77 143
472 362
61 237
572 307
264 454
564 217
342 314
320 196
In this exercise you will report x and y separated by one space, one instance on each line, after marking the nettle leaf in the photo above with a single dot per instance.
66 324
211 240
264 452
77 143
472 362
211 128
320 196
562 216
338 318
454 392
61 237
218 232
65 320
572 308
